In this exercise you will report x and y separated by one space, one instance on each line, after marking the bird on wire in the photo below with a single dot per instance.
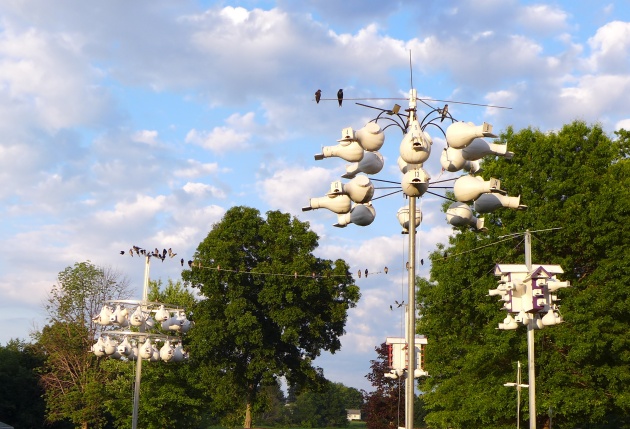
318 95
340 96
444 112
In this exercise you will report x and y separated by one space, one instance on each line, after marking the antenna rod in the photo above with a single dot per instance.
410 70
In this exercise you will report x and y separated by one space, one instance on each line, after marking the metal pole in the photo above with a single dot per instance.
411 319
530 342
136 390
518 395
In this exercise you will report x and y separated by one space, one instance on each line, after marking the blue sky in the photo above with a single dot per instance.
141 123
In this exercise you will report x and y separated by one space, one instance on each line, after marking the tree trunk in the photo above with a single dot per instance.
248 415
84 425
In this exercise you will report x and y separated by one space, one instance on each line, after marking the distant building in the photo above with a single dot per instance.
353 414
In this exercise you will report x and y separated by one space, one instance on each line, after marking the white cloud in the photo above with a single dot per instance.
197 169
543 18
202 189
34 75
148 137
290 188
232 138
610 48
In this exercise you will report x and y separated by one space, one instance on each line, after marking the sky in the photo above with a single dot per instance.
140 123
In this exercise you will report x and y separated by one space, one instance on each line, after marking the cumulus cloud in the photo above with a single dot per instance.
234 137
610 48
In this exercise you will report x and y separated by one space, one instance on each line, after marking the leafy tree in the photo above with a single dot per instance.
72 377
268 307
21 402
274 412
323 407
385 406
577 179
170 395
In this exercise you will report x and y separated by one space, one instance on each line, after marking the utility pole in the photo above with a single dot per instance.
531 368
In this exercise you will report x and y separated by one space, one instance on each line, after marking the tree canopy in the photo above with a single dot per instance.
268 305
71 376
576 179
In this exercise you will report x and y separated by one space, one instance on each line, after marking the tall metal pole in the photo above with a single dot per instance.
530 342
136 390
411 319
518 395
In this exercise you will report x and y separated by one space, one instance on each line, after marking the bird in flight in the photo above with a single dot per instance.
318 95
340 96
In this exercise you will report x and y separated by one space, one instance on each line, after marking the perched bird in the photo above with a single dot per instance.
421 261
164 254
359 273
386 270
444 112
340 96
190 264
182 262
318 95
366 273
131 252
390 307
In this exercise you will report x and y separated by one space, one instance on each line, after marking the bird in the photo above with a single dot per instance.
171 253
386 270
444 112
390 307
131 252
399 304
421 261
190 264
122 252
407 265
359 273
366 273
340 96
137 249
318 95
164 254
182 262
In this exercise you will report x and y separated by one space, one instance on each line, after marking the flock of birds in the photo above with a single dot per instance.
156 253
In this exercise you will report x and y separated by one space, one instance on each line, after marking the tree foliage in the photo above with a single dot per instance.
72 377
385 406
576 179
21 403
262 314
324 407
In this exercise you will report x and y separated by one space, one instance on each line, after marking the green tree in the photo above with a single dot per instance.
73 379
577 179
21 403
323 407
268 306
